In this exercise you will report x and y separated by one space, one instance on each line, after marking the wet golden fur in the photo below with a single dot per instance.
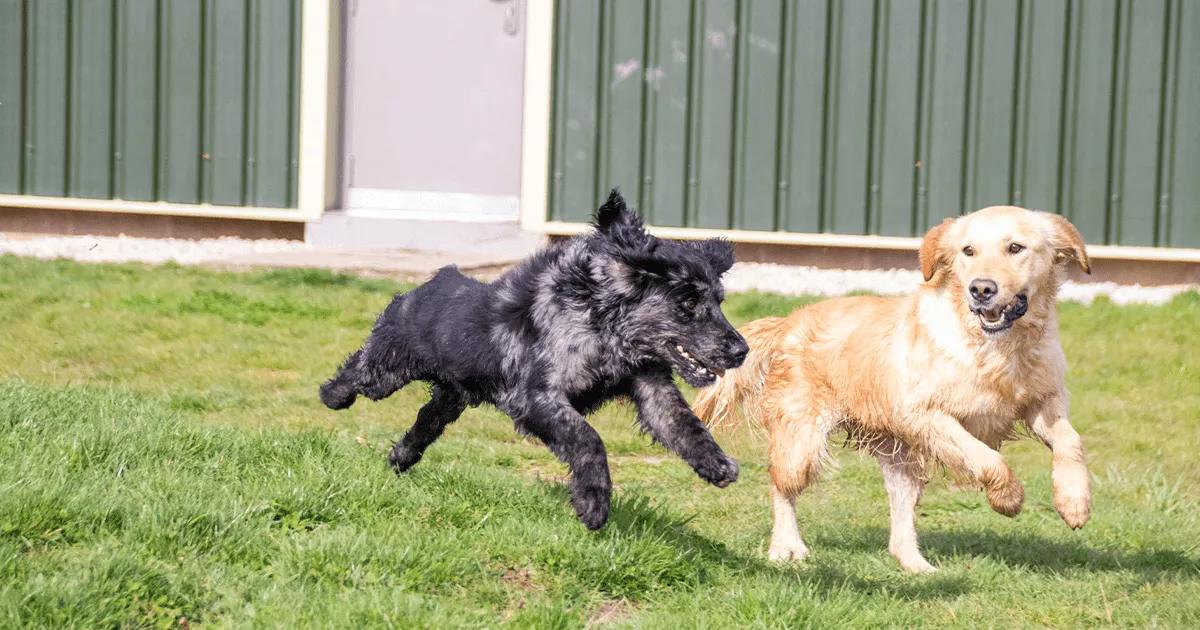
916 378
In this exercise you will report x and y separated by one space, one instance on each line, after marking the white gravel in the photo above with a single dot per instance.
100 249
764 277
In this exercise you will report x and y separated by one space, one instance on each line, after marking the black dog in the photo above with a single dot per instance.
601 315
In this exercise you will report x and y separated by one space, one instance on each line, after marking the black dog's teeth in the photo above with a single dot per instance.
691 362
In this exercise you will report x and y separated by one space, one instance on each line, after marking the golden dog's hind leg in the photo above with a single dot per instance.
797 449
902 477
1069 474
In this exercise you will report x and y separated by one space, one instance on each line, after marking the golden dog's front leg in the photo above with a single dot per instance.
1072 483
945 438
903 478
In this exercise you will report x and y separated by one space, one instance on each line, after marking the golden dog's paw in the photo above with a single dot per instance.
787 552
913 562
1005 493
1074 510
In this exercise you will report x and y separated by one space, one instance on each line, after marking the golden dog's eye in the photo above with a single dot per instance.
1015 248
968 250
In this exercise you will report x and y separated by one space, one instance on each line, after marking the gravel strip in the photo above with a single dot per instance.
109 249
764 277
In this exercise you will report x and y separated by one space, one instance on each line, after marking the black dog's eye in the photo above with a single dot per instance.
1015 248
689 304
968 250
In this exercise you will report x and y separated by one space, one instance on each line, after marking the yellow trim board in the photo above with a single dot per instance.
535 126
1114 252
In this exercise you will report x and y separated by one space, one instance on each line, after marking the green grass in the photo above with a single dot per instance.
163 455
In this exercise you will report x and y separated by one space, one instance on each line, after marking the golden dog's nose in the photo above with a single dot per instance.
983 290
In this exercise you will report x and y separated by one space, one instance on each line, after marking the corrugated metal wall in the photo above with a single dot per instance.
187 101
881 117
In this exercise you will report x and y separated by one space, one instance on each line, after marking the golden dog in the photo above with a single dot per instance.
944 374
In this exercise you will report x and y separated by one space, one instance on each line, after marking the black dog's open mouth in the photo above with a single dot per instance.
692 369
995 318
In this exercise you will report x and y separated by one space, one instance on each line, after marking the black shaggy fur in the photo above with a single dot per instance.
610 313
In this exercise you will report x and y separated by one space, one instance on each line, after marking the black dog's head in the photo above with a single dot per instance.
666 298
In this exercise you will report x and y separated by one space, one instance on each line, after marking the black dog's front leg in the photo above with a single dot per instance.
666 416
577 444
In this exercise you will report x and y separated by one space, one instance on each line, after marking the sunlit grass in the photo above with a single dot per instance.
163 455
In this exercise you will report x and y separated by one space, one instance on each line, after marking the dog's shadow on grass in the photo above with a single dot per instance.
635 515
1035 553
1047 555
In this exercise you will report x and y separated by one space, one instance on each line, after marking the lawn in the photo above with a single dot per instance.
163 455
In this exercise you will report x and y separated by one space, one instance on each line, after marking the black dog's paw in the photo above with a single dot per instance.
591 506
718 469
402 458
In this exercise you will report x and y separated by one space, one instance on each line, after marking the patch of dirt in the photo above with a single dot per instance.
521 578
609 612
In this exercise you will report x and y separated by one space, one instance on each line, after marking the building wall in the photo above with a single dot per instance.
183 102
881 117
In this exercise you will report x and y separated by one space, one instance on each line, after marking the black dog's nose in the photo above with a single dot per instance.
983 290
738 351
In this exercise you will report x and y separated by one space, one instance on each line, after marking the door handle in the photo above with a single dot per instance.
512 16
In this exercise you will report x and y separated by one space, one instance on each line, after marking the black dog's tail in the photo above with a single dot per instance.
340 391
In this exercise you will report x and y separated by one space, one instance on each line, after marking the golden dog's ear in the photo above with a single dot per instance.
933 251
1067 241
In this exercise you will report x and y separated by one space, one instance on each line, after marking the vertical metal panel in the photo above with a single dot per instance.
805 76
665 130
1041 108
90 149
757 130
883 116
135 161
179 84
848 116
896 120
12 80
146 100
1139 94
1086 176
573 180
225 99
46 97
991 112
713 97
1182 184
943 148
273 98
622 72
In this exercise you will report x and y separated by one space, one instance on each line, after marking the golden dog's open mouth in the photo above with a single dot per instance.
996 318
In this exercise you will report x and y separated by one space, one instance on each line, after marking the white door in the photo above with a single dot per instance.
433 108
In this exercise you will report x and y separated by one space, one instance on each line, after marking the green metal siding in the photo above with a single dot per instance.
187 101
881 117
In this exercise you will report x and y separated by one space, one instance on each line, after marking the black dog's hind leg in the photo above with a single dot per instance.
340 391
666 416
363 373
561 428
445 407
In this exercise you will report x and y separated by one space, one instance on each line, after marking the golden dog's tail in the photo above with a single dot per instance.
737 393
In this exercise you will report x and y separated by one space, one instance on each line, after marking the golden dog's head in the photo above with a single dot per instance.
1004 261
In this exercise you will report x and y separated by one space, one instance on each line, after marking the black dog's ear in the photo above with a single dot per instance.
616 221
718 252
